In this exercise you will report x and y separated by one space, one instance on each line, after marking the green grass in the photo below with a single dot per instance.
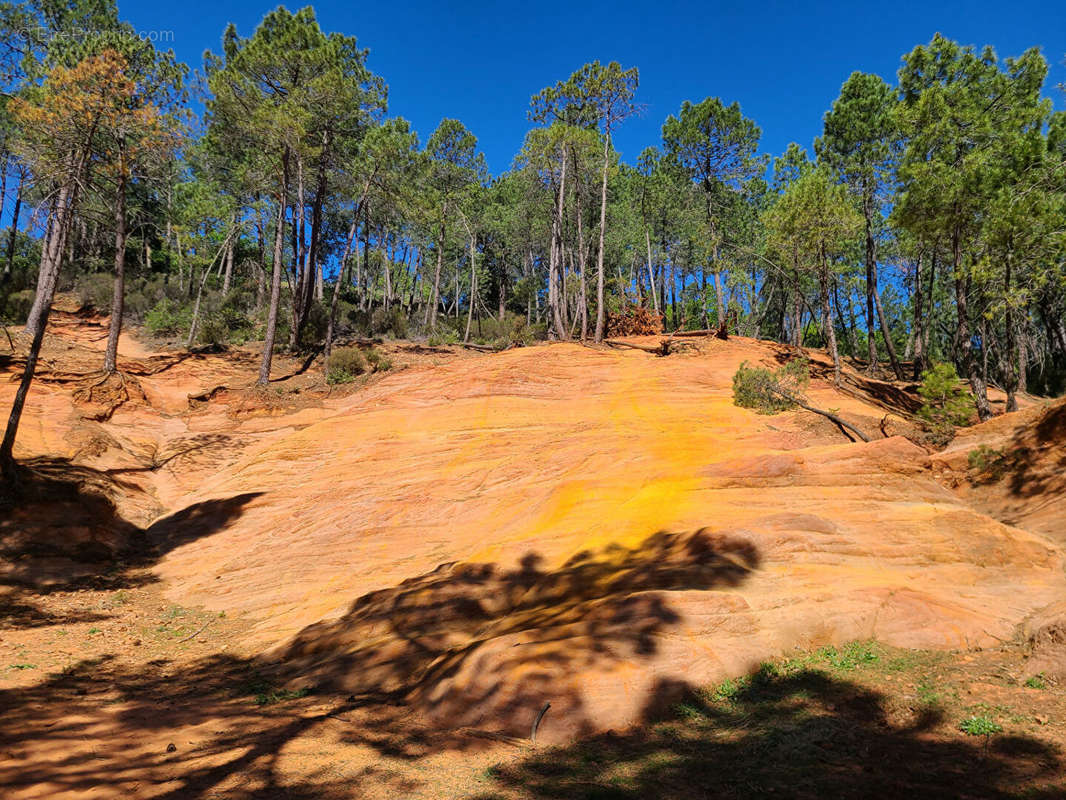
1036 682
23 666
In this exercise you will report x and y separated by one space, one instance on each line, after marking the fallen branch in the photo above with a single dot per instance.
662 350
536 723
827 414
703 332
481 348
196 633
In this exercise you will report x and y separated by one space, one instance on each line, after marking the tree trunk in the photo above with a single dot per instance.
827 318
557 287
918 334
963 337
1010 351
227 274
14 226
299 312
431 314
473 289
334 302
51 257
871 276
849 331
651 273
118 296
600 310
275 278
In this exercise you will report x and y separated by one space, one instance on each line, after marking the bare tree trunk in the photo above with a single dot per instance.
1010 350
260 269
14 226
51 257
827 318
431 315
556 287
275 279
871 277
600 311
299 256
651 274
118 296
227 274
473 290
963 337
919 320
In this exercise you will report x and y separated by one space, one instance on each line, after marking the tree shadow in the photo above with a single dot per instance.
480 646
804 735
65 531
404 653
1034 461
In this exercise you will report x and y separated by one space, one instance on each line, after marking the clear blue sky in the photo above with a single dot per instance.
480 61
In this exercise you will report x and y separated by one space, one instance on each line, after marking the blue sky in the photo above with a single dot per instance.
480 61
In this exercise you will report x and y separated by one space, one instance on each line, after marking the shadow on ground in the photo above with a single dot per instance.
806 735
65 533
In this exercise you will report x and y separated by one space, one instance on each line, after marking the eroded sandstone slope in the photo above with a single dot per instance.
559 524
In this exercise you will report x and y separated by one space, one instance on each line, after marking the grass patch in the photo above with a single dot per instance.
1036 682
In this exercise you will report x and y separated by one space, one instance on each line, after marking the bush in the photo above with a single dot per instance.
393 322
764 390
946 404
168 318
447 337
345 365
96 290
378 361
985 460
18 304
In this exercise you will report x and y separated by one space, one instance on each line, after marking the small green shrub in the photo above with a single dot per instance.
987 461
767 391
378 361
946 404
1036 682
979 725
345 365
446 337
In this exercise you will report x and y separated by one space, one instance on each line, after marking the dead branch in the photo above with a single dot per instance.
827 414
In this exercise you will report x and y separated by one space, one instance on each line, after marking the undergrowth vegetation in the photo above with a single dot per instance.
770 391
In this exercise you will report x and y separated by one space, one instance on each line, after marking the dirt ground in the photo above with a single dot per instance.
116 692
376 589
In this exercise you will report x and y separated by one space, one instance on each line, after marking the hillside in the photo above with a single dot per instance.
478 535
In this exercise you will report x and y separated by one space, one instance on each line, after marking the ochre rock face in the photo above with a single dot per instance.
595 530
